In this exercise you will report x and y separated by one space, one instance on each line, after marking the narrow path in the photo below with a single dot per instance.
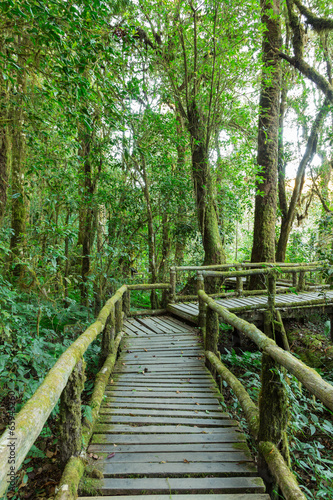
162 433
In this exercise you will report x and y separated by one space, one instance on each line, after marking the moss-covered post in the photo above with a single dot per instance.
202 306
212 336
70 430
271 289
273 409
108 337
239 282
119 315
301 281
173 280
294 278
127 303
331 325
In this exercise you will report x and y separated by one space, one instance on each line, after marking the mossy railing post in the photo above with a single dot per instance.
173 280
273 404
70 428
212 336
108 337
127 303
118 315
202 306
239 282
301 281
294 278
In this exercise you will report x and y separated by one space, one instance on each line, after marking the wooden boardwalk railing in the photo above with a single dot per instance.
65 381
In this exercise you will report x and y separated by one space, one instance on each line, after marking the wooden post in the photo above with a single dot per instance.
271 288
331 327
301 281
212 337
202 305
294 277
108 337
70 430
273 408
127 303
212 331
173 280
118 315
239 282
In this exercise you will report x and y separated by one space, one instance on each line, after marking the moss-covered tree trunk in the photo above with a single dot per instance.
18 157
151 234
204 190
181 173
263 249
273 409
86 210
4 147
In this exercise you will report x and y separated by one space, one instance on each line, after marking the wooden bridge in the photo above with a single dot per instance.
156 429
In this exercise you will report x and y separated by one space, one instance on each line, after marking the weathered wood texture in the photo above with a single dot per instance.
161 424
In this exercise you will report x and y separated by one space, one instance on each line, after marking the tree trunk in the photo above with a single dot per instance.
17 241
86 216
288 216
151 235
263 249
204 192
4 147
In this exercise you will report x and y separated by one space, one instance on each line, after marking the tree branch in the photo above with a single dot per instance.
318 23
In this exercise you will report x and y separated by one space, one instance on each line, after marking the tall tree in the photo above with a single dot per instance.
263 249
196 45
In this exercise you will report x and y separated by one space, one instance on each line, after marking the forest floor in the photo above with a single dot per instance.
311 442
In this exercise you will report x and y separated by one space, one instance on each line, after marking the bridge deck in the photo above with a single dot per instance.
161 432
189 311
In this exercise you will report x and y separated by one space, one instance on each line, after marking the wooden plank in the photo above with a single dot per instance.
175 309
156 429
158 388
178 469
171 406
188 447
123 379
148 323
163 412
162 420
174 400
161 395
223 484
226 435
178 457
179 324
210 496
189 369
157 360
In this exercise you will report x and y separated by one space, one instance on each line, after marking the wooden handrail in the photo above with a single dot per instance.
266 270
315 384
275 461
30 420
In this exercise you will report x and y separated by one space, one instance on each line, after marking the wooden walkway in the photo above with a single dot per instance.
161 432
189 311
